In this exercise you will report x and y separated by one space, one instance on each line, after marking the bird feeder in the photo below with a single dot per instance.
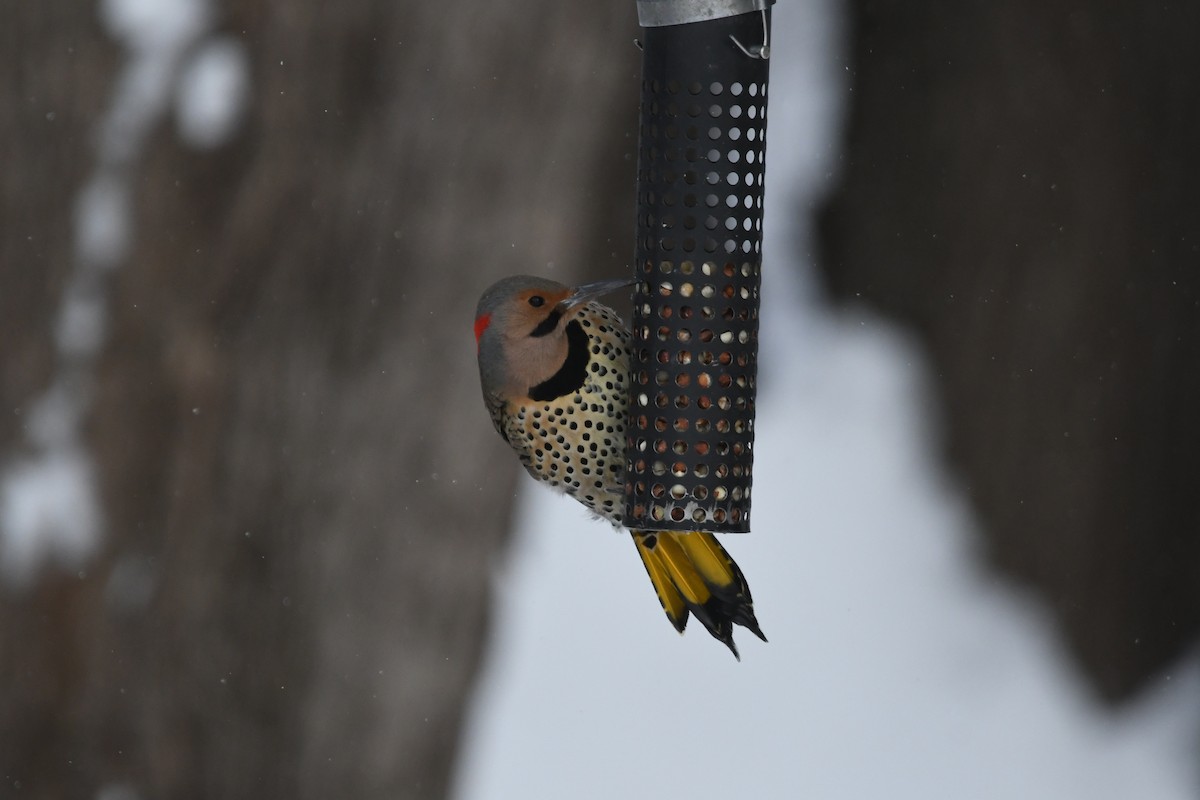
701 166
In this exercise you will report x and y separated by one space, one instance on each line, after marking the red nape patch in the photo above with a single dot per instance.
481 325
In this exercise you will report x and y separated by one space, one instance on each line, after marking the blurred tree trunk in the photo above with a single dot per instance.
295 463
1020 187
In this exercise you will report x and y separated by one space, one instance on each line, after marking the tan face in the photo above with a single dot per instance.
528 328
523 312
532 307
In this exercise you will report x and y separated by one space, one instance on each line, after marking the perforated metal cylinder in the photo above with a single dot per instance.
698 261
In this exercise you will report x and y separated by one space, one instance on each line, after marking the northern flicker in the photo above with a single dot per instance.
554 365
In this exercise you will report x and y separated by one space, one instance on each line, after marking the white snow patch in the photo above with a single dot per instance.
156 33
48 513
146 25
213 91
102 223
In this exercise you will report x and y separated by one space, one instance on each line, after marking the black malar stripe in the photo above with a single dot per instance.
572 373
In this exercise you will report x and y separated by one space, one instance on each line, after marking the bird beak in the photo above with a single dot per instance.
589 291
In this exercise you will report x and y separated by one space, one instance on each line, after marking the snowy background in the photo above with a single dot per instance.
897 665
49 512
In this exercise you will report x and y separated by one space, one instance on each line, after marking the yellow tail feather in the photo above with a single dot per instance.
692 574
682 571
709 558
670 598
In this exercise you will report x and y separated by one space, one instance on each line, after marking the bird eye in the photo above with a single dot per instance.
537 301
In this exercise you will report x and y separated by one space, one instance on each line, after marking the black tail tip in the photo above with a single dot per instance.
727 640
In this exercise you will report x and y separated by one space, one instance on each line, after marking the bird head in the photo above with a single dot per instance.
520 329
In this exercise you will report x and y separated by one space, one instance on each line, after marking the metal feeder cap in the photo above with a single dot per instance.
654 13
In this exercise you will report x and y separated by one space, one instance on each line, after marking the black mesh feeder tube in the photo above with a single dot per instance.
698 263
